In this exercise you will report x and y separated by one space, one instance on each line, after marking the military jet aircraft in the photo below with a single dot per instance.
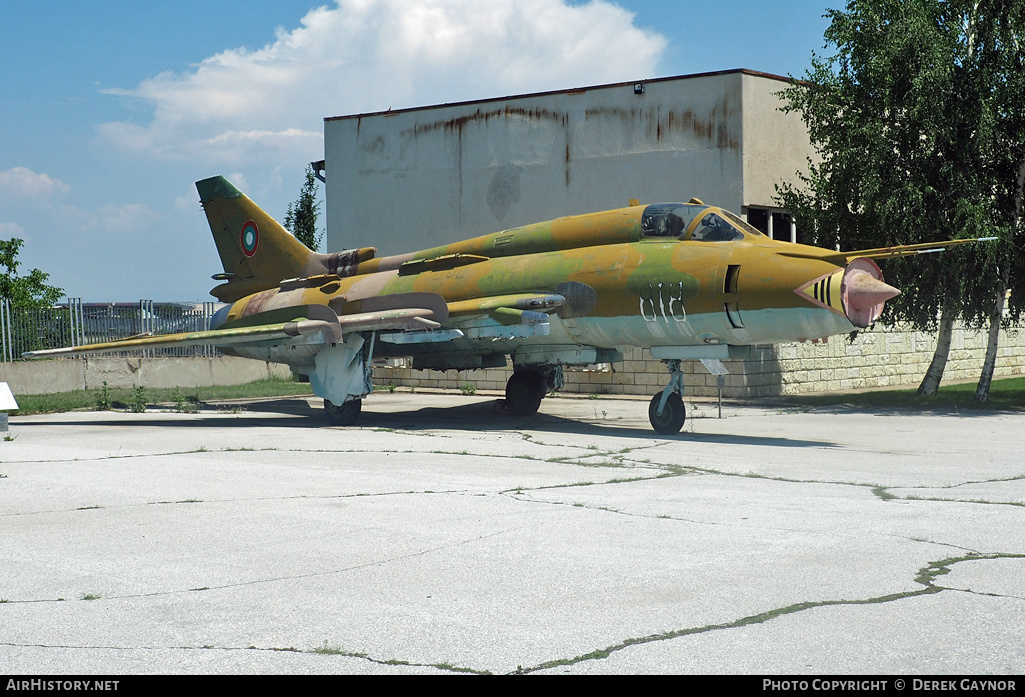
687 281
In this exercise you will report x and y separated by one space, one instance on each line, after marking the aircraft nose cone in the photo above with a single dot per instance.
864 292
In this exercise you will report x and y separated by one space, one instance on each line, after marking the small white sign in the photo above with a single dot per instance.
7 401
714 366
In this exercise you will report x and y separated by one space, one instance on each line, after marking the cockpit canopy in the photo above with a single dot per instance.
691 221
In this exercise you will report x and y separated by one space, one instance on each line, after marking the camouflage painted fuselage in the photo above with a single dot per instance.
648 291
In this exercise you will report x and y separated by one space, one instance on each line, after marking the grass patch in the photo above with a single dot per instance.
1007 393
123 398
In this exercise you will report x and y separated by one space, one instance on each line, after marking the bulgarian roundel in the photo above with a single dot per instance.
249 238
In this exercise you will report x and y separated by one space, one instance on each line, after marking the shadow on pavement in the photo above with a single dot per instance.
475 416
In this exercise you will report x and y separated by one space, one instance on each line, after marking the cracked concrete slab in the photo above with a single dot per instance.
442 536
997 577
938 634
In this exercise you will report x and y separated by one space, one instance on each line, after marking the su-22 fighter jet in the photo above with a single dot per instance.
687 281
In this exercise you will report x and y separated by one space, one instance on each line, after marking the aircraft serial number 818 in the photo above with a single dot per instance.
684 280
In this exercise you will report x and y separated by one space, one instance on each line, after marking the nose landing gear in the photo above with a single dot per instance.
666 411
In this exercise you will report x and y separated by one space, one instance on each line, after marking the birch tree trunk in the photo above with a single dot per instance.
982 389
931 382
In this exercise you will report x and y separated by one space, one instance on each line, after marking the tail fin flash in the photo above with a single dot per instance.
257 253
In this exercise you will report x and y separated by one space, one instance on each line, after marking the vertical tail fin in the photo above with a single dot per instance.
256 251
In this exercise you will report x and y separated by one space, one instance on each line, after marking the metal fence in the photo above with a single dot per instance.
76 323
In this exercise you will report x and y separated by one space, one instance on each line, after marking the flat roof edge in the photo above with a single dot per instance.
471 102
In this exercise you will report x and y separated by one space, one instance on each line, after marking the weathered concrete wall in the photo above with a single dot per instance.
65 375
417 178
884 357
776 144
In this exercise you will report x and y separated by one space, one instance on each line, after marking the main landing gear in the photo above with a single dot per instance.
666 411
344 415
527 387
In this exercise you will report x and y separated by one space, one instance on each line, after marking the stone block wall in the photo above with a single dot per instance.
882 357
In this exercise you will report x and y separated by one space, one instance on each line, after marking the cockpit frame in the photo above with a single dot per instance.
693 222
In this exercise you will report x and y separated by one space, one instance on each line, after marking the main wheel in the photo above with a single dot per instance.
523 392
671 420
344 415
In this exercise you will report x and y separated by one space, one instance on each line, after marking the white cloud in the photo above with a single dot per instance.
240 181
22 182
186 203
134 218
10 230
243 107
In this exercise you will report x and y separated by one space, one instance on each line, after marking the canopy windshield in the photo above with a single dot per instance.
668 219
672 220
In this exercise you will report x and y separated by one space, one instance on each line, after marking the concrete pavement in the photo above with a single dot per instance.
441 535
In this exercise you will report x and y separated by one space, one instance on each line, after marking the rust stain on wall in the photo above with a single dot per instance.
376 146
713 127
458 123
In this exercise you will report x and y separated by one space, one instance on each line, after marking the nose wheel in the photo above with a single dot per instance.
666 411
670 421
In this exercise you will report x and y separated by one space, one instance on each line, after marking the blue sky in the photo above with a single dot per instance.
111 110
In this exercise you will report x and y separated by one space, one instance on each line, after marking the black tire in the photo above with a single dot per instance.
344 415
673 416
523 393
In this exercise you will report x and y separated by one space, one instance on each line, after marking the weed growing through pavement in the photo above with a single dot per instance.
138 403
104 401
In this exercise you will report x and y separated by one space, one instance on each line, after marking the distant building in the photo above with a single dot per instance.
416 178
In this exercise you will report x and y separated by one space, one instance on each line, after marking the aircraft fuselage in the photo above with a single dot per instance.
648 293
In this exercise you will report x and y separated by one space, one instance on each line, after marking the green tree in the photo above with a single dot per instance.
903 123
301 216
994 60
24 291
